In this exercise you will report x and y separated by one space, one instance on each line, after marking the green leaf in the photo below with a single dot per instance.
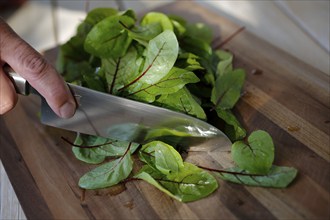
108 174
175 80
188 61
161 156
119 71
182 101
116 148
150 175
233 128
277 177
225 63
88 155
200 31
161 54
71 52
143 34
179 25
130 13
107 147
94 82
257 156
98 14
75 71
227 89
189 184
157 17
196 46
108 38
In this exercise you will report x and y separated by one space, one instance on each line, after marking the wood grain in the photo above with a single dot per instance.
9 204
288 98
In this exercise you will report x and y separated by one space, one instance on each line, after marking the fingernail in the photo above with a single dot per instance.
67 110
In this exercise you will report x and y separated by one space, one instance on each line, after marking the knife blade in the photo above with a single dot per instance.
110 116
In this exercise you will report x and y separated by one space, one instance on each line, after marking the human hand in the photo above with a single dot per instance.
26 61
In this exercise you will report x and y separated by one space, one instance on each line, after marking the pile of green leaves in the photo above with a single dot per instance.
164 61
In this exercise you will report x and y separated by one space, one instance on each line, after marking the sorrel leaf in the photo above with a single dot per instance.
119 71
227 89
225 63
189 184
257 155
161 54
143 34
174 80
108 174
157 17
188 61
200 31
108 38
88 155
94 150
277 177
161 156
182 101
164 61
233 128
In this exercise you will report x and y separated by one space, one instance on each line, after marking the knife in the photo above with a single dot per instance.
110 116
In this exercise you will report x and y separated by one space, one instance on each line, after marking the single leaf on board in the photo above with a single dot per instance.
227 89
277 177
116 148
88 155
257 155
95 149
151 175
189 184
161 156
104 43
108 174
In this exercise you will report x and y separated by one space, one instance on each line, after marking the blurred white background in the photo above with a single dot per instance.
300 27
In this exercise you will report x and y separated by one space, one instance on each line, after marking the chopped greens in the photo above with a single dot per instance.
165 61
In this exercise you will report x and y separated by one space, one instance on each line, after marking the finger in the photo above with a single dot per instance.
8 96
37 71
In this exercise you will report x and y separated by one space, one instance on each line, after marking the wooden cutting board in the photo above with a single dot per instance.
283 96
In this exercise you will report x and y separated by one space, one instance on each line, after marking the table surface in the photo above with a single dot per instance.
10 208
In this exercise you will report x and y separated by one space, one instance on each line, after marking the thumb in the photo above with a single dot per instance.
8 96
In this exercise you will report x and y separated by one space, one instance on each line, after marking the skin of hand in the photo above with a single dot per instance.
42 76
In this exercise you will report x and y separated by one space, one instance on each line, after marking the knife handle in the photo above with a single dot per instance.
21 85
